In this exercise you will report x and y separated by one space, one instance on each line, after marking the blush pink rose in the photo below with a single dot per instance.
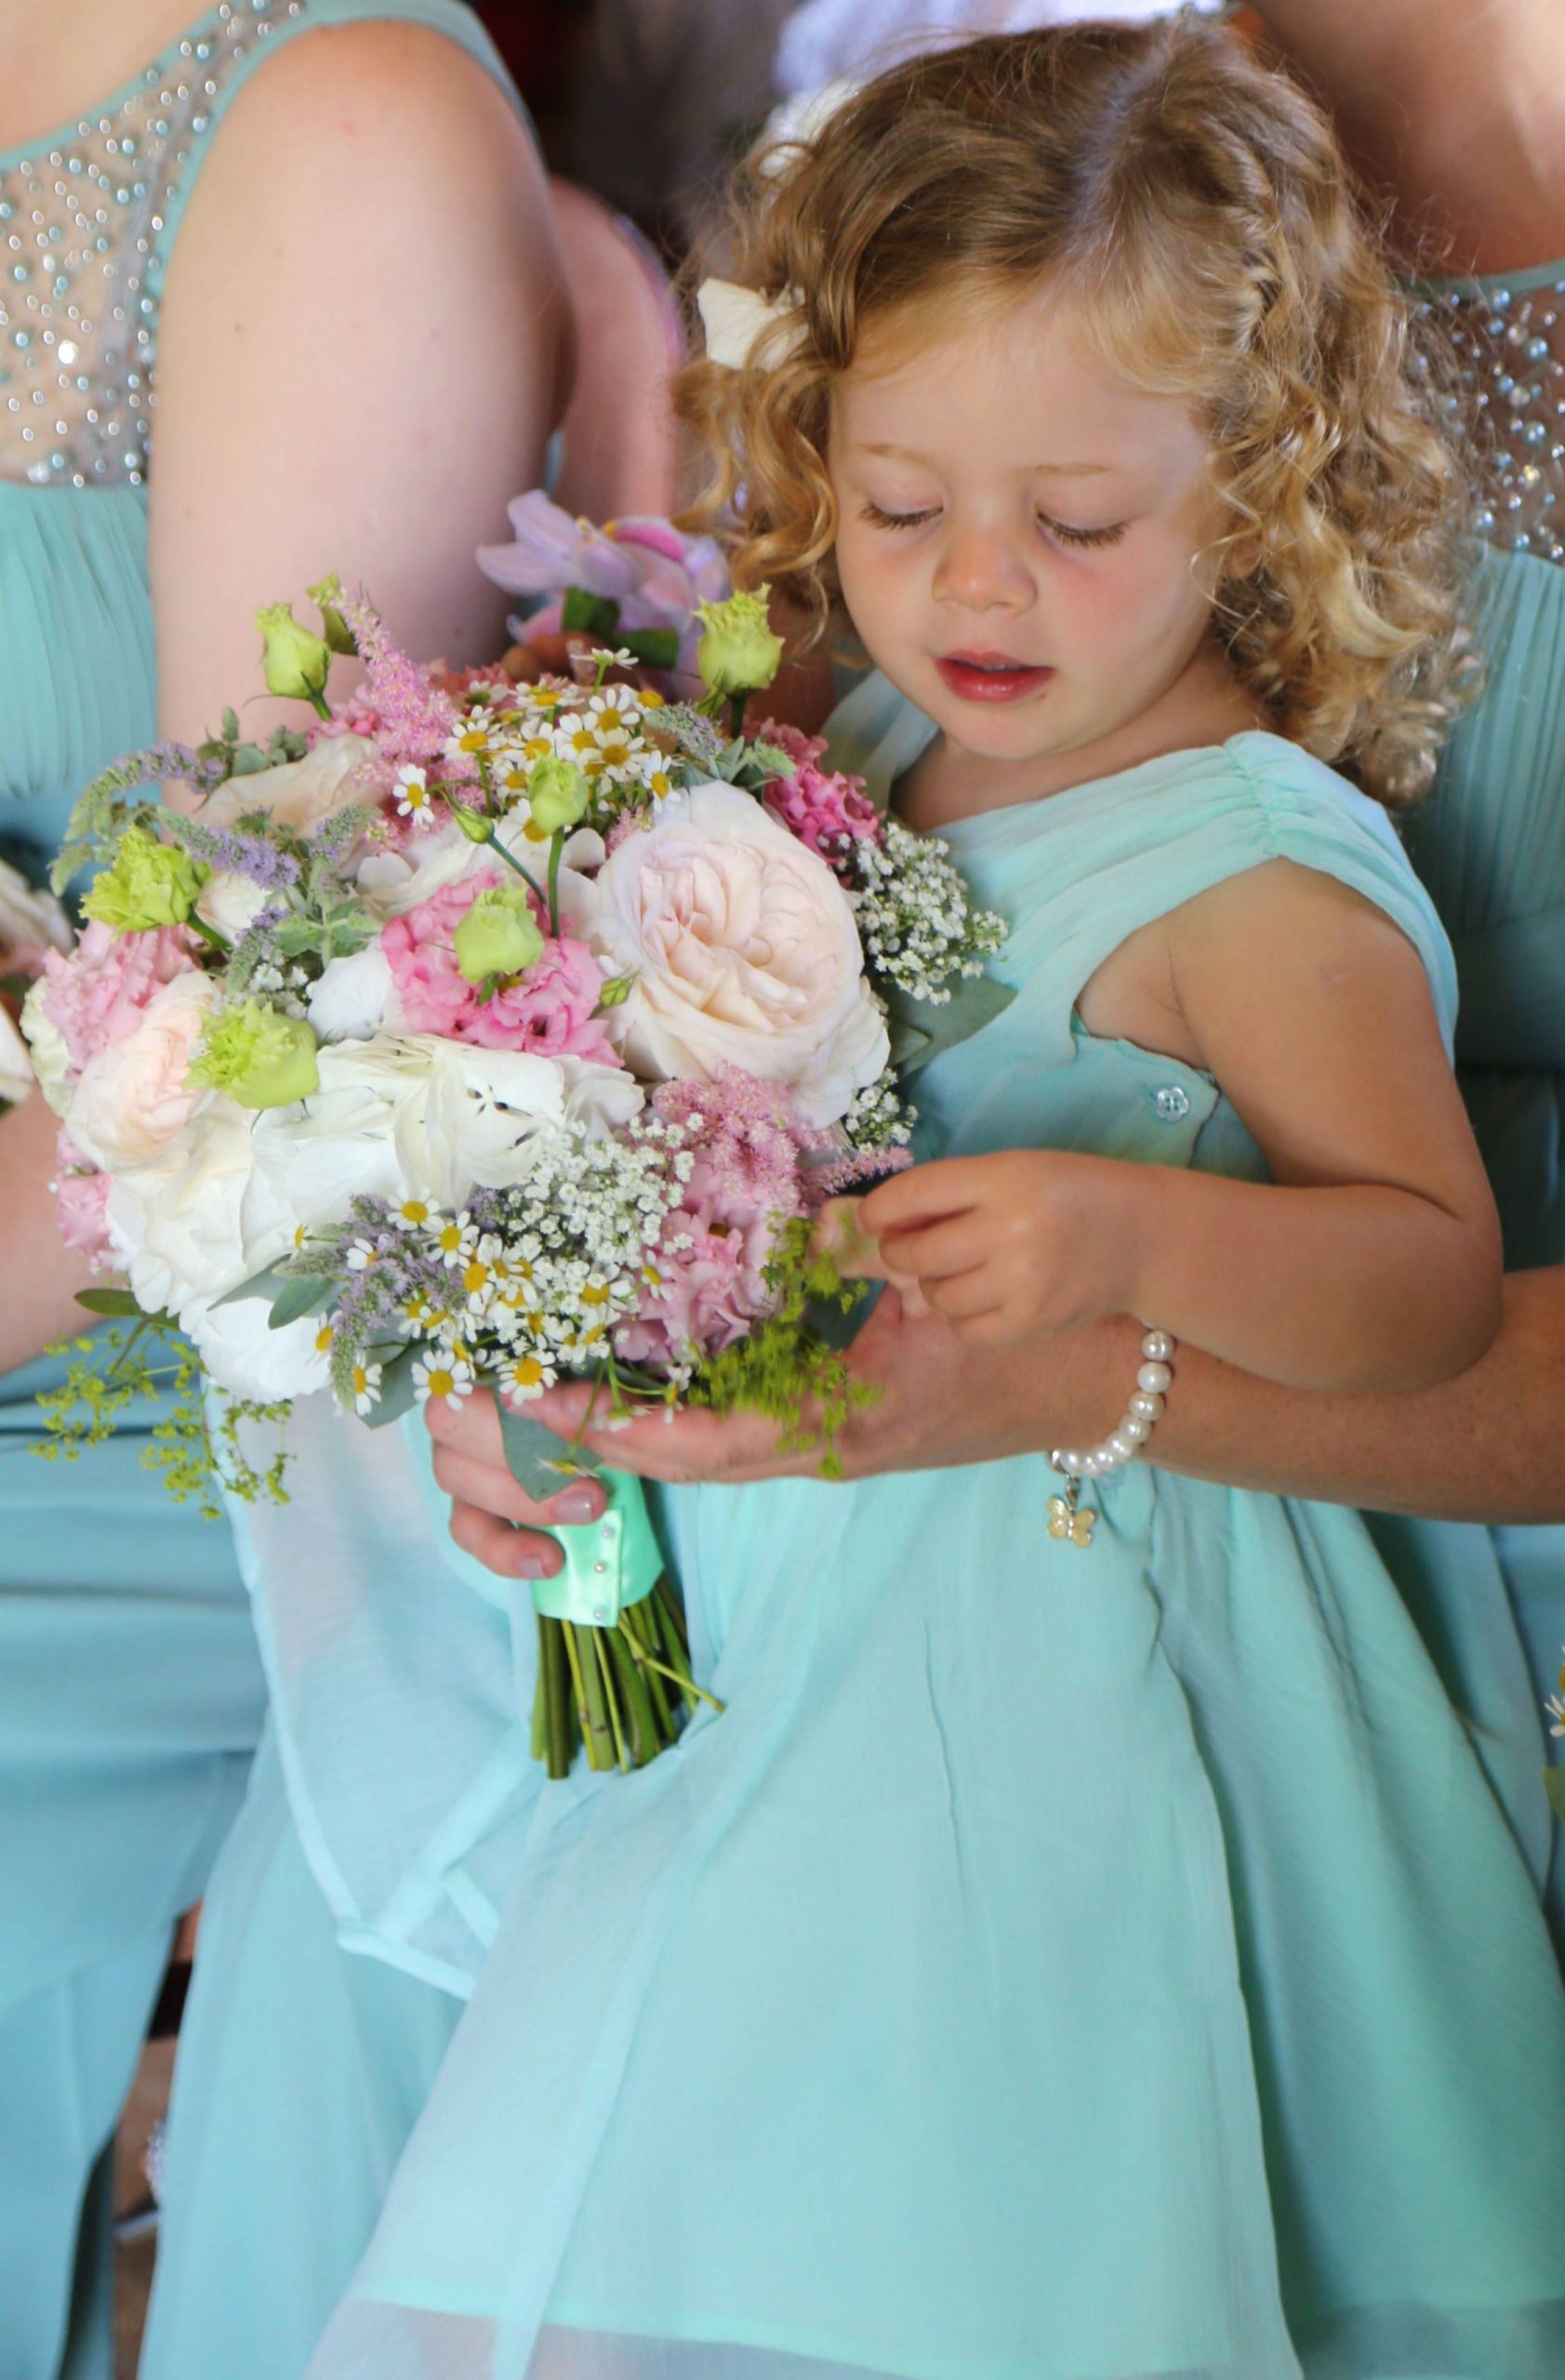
551 1012
100 992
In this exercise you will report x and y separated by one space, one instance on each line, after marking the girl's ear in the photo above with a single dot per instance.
1242 559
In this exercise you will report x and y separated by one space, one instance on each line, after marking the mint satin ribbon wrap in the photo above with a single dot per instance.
610 1563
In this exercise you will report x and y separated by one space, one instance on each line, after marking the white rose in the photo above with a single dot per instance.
15 1065
51 1052
744 951
135 1097
392 883
229 902
301 793
413 1115
202 1219
237 1345
29 920
355 997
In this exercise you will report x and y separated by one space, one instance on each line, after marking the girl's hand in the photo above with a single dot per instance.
1002 1247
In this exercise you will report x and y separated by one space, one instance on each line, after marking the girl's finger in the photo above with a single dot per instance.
936 1251
922 1194
965 1296
839 1234
509 1553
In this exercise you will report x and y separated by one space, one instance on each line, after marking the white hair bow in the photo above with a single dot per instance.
746 330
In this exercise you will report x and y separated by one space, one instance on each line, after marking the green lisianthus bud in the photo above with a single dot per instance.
295 661
260 1057
334 627
499 936
558 794
150 884
739 652
476 824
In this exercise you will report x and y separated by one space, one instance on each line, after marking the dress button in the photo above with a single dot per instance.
1172 1101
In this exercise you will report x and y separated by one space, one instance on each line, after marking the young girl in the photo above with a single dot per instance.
1063 1960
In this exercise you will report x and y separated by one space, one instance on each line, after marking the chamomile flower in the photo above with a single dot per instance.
475 739
361 1255
366 1387
417 1214
524 1377
323 1339
414 796
441 1375
620 659
456 1238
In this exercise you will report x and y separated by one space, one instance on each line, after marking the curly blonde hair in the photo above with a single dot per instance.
1199 204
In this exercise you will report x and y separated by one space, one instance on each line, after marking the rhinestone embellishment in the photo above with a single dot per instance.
1510 357
81 265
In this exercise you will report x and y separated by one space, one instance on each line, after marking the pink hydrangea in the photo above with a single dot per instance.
712 1256
81 1207
95 993
823 808
711 1262
551 1012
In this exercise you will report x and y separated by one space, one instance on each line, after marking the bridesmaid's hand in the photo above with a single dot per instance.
937 1402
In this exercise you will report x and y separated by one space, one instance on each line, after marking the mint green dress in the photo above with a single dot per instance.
131 1690
1054 1964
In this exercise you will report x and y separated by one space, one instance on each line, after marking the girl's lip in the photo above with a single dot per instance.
990 677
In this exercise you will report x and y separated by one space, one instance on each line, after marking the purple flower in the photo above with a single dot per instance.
652 571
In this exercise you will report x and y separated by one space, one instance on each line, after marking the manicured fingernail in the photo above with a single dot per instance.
531 1561
583 1503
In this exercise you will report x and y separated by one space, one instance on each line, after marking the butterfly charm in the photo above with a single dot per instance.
1070 1521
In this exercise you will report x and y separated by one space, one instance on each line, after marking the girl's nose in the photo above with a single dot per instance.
978 570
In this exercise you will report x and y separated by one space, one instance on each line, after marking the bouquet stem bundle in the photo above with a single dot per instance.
620 1693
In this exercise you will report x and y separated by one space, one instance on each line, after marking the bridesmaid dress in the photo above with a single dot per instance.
130 1687
1490 845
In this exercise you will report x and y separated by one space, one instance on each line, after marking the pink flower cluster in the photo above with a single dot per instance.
96 994
825 809
551 1012
712 1252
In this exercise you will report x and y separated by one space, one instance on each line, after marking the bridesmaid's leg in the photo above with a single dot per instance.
67 2056
301 2071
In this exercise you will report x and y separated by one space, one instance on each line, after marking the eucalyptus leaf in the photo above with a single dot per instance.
119 1302
1554 1784
299 1297
922 1030
397 1391
248 760
538 1461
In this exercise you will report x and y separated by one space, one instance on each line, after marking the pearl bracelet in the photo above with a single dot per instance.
1066 1518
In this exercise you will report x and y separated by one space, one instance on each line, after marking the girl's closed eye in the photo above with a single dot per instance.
878 517
1063 533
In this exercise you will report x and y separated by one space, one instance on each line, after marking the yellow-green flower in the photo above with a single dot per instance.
738 652
295 661
499 936
334 627
558 794
150 884
258 1056
476 824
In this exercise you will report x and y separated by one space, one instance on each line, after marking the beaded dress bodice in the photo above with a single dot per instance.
1509 341
81 215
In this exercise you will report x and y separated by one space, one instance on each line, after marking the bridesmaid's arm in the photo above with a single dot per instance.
1456 113
364 342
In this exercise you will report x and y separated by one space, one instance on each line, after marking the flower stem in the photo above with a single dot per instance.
511 861
599 1646
556 848
322 708
209 934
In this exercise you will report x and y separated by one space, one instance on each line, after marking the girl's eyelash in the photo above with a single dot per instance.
1069 536
878 517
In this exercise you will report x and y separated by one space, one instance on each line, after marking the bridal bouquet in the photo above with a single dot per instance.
494 1032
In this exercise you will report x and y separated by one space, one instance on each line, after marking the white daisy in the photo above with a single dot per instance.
413 797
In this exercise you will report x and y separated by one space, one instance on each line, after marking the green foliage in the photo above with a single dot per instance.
784 1369
194 1448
